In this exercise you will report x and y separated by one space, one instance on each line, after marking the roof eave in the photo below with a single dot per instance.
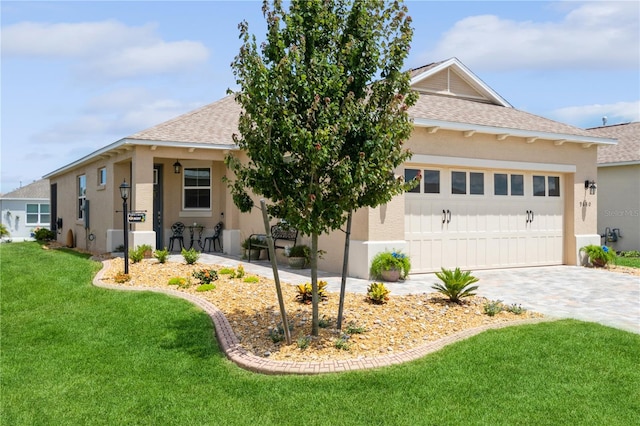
133 142
504 132
620 163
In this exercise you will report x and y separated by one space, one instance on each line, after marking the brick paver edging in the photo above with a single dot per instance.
236 353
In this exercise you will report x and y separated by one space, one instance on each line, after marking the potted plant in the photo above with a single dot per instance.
299 256
390 266
254 253
599 255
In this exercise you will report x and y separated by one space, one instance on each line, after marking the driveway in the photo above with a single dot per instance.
587 294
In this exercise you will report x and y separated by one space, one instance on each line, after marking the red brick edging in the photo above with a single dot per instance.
236 353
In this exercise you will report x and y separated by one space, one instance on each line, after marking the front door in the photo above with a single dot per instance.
157 206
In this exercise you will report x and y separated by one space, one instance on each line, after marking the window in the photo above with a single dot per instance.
197 188
409 175
554 186
432 181
102 176
38 214
476 183
517 185
458 182
539 187
500 184
82 195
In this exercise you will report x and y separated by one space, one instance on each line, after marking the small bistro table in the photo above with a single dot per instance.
195 235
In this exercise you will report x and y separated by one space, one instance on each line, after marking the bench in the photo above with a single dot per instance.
279 232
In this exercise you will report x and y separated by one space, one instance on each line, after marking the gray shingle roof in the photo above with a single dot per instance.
628 147
215 123
435 107
36 190
212 124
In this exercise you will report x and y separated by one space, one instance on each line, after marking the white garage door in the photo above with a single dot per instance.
478 219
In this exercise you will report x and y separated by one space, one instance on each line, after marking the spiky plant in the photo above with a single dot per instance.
455 284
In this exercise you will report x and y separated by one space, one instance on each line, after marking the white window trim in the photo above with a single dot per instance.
199 211
39 214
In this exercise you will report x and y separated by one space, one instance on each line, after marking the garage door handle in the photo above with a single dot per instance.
532 216
448 215
444 216
528 216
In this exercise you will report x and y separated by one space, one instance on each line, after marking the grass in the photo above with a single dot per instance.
632 262
75 354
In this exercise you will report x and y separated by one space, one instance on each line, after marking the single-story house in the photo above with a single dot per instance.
26 209
501 187
618 186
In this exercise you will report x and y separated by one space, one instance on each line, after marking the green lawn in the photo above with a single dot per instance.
632 262
73 354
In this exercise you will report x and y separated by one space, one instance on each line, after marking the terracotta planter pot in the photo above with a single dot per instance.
598 262
297 262
253 254
391 275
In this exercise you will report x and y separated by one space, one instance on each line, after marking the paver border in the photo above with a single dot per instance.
230 344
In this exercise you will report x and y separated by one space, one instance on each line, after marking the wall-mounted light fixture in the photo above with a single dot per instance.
591 186
177 167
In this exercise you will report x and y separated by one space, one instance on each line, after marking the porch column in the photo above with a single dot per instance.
142 185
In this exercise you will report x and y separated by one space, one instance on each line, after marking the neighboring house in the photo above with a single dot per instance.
26 209
501 187
618 186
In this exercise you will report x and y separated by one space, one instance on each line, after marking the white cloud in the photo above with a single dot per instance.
593 35
591 115
103 49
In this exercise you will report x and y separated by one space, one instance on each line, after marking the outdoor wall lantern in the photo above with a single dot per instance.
591 186
124 193
177 167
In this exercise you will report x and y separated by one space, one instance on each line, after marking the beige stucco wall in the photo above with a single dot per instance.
618 196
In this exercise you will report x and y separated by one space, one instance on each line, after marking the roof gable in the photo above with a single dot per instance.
453 79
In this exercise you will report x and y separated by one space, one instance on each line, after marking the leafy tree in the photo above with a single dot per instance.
324 113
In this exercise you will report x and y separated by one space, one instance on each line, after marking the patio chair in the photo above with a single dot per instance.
217 232
177 229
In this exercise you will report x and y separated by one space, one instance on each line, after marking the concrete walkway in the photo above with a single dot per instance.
586 294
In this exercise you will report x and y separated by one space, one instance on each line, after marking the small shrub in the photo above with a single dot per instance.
324 322
191 256
161 255
378 293
179 281
305 292
119 249
240 271
227 271
455 284
303 342
352 328
4 232
277 334
206 287
342 343
630 253
146 250
44 234
493 307
206 276
121 277
251 279
516 309
137 254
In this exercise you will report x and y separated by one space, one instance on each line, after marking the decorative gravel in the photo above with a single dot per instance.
252 309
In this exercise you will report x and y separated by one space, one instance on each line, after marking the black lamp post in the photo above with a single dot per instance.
124 193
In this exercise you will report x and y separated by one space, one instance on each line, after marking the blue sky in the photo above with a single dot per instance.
76 76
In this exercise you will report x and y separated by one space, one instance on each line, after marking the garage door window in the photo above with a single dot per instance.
432 181
476 183
554 186
409 175
502 182
458 183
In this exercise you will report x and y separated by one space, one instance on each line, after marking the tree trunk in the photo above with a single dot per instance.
315 318
345 266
